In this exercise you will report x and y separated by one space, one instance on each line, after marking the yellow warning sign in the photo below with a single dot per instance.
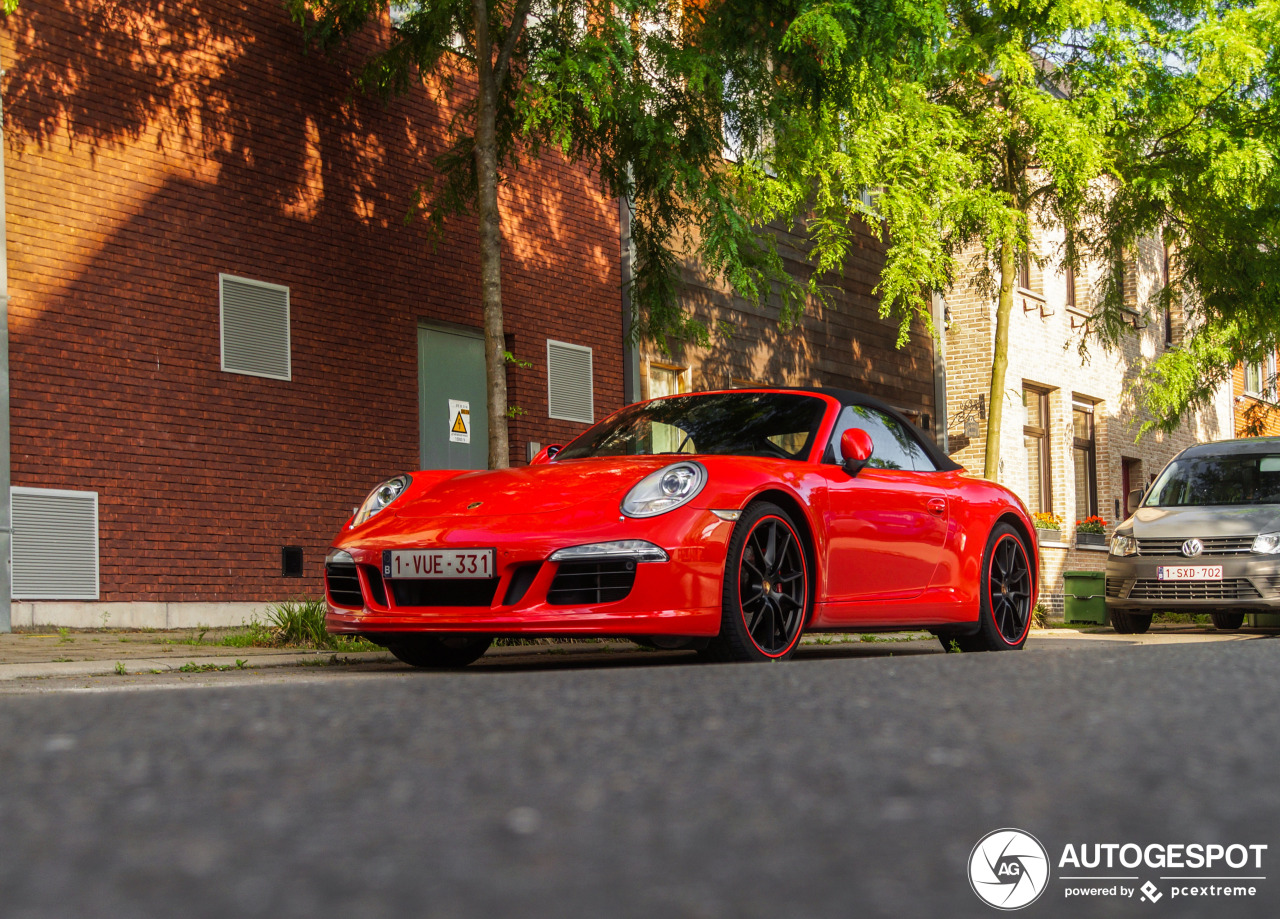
459 421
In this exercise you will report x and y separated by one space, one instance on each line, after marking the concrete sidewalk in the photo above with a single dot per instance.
44 652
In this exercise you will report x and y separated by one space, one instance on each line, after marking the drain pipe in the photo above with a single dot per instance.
940 373
6 513
630 345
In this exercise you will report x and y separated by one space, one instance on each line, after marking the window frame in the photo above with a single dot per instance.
1040 431
1089 447
1266 374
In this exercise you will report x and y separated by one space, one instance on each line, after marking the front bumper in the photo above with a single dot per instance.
1248 582
681 596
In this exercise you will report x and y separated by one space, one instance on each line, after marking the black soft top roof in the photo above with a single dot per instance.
847 397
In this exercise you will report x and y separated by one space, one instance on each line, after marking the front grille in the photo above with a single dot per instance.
1229 589
584 583
1113 587
343 585
443 591
1213 545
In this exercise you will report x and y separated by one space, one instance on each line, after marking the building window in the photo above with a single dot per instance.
1024 271
1071 287
569 396
1035 435
1084 455
665 380
255 327
1260 378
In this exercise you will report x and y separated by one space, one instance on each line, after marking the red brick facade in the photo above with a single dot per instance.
145 155
844 344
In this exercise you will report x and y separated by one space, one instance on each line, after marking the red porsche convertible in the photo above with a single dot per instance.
730 522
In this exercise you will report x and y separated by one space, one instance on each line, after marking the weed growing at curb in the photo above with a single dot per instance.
120 669
193 667
289 624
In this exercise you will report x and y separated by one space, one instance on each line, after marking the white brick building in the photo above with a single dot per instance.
1069 441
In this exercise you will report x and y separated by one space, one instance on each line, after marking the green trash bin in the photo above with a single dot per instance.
1085 597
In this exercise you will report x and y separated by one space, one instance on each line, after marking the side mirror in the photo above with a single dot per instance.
856 447
546 454
1133 500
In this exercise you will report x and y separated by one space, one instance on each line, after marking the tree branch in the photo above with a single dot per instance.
518 17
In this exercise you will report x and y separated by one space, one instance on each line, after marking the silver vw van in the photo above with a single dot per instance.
1204 538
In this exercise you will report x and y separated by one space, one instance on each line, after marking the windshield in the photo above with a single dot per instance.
1242 478
780 425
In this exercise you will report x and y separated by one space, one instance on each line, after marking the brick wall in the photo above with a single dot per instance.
844 344
1044 351
1254 417
152 146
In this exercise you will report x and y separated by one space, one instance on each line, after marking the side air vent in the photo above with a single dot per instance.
255 327
55 544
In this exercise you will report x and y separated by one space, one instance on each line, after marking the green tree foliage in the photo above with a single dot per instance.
1114 120
651 93
1197 161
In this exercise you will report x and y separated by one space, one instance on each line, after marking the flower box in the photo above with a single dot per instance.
1091 539
1043 535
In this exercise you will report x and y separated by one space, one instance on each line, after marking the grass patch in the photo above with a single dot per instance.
289 624
530 642
1183 618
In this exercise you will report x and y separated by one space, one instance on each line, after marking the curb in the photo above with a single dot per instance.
138 665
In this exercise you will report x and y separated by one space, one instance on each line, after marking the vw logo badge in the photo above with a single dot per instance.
1192 547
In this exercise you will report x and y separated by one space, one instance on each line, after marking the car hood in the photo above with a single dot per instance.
529 489
1219 520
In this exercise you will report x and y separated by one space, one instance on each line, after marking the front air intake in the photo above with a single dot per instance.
588 583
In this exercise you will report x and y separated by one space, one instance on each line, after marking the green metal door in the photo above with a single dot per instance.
453 417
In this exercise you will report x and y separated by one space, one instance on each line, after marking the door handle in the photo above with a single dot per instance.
937 506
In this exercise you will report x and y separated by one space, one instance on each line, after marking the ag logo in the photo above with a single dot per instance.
1008 869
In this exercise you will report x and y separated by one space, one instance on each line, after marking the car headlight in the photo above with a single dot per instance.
665 490
380 497
1124 545
1267 543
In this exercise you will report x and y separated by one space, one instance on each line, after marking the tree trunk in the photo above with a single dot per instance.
999 362
486 155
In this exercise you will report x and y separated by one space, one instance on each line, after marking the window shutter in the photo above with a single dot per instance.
255 327
55 544
569 382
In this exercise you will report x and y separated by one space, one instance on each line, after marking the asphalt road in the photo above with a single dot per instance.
836 785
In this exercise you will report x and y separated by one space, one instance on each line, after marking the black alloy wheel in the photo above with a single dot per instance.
1005 615
444 652
766 588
